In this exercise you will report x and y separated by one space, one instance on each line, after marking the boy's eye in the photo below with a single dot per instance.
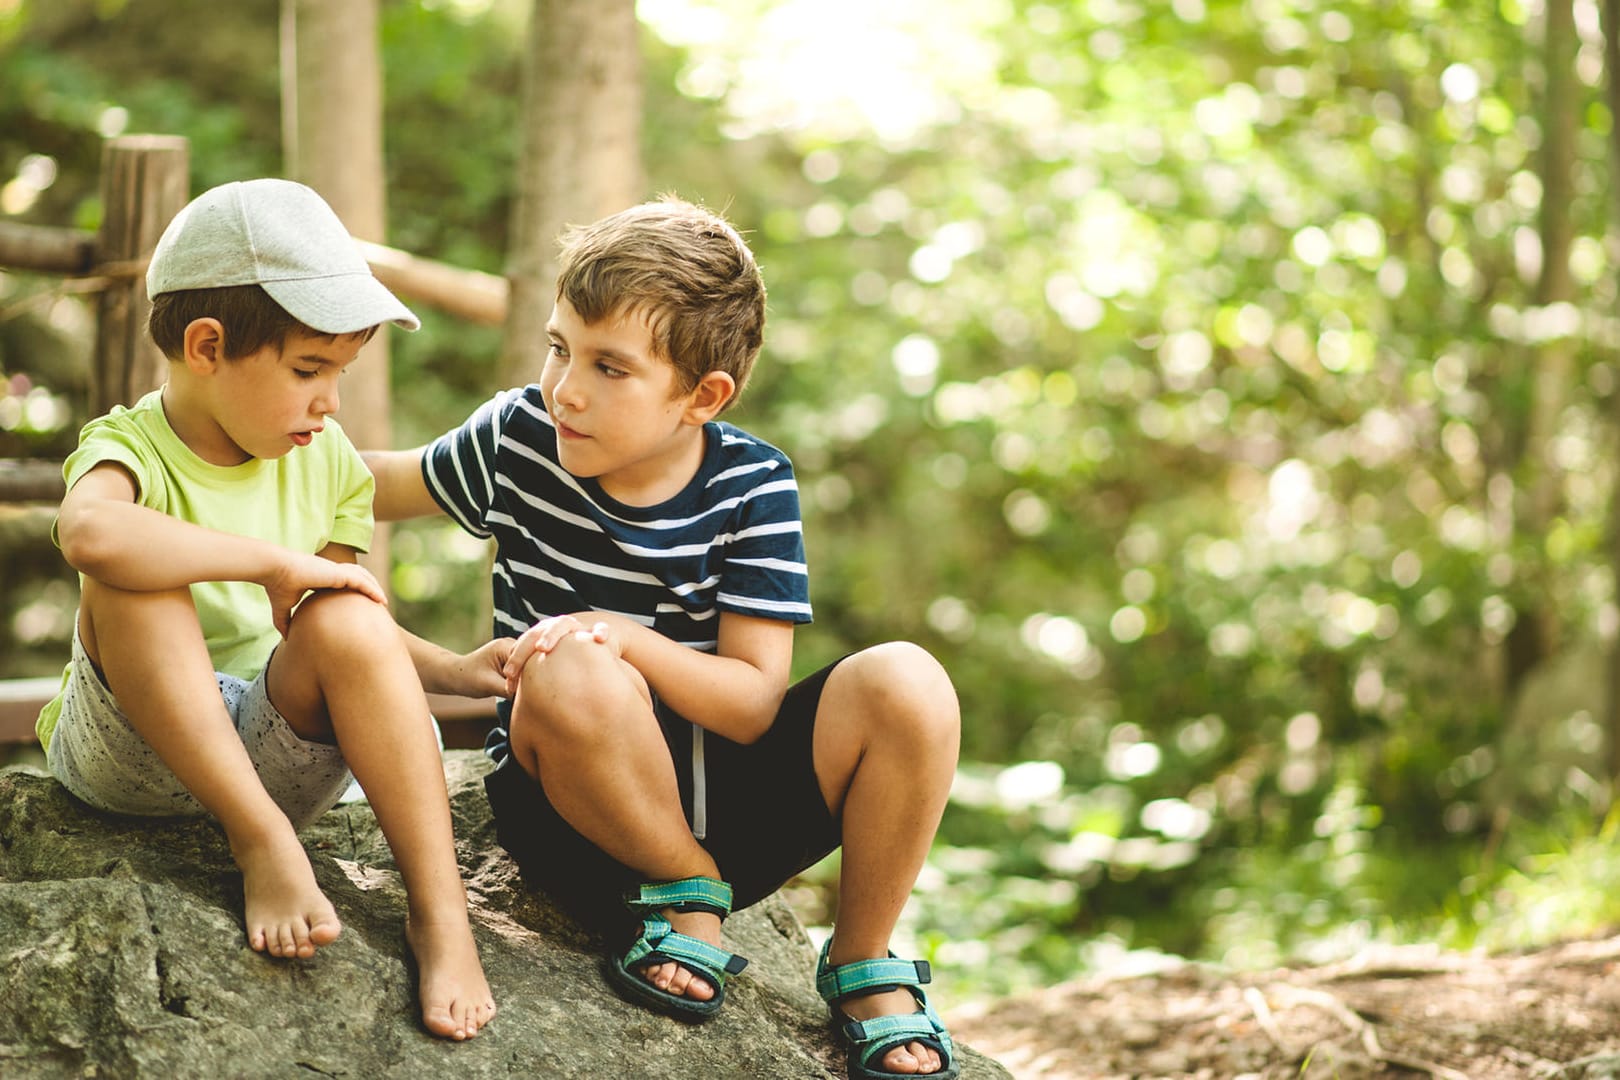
557 350
612 372
307 373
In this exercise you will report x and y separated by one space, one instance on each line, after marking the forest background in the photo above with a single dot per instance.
1226 391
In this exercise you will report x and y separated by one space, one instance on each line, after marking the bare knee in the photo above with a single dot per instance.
109 616
908 695
341 623
570 701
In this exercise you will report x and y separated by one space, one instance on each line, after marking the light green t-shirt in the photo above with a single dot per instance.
310 497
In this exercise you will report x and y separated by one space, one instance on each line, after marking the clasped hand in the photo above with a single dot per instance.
538 640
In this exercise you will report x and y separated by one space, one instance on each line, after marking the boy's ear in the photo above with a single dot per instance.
711 394
203 346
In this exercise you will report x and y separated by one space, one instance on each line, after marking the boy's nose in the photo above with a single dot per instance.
566 394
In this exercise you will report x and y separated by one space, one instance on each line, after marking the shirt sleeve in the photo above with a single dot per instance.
765 573
352 521
459 466
105 439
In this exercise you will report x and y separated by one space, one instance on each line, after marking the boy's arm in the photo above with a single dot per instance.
734 692
476 674
106 535
401 490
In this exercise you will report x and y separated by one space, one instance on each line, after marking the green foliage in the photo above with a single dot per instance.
1167 369
1570 888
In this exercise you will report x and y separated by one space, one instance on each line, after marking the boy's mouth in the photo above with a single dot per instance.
566 432
304 438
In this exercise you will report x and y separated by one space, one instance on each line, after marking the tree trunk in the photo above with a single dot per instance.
579 157
1611 90
1552 364
331 99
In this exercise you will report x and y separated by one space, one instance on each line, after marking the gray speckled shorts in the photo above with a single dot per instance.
101 758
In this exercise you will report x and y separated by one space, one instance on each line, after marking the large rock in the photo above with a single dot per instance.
122 955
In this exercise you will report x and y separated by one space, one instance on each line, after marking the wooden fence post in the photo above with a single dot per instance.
145 180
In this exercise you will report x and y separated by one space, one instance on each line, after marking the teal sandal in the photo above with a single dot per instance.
868 1040
660 943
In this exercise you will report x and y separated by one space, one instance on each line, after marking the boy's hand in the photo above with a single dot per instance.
299 575
478 674
483 671
543 636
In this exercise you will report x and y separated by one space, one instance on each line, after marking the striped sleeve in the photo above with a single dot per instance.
764 574
459 466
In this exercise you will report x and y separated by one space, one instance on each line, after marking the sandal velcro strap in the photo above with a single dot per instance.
660 943
685 894
879 1035
869 1040
861 977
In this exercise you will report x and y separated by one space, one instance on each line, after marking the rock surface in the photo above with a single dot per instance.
122 955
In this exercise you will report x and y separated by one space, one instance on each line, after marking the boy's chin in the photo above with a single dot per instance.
573 469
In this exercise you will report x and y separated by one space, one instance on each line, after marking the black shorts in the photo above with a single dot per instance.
766 819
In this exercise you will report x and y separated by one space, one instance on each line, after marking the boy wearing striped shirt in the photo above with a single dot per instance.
650 565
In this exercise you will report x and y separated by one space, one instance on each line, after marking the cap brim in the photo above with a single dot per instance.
345 304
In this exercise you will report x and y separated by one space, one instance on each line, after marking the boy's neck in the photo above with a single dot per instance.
679 471
193 425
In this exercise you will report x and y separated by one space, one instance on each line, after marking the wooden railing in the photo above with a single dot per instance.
145 181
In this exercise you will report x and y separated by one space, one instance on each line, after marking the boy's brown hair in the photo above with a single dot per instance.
684 269
251 320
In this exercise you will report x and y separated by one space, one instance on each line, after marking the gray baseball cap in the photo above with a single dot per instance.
282 236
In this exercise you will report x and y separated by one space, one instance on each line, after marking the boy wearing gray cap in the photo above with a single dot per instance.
230 657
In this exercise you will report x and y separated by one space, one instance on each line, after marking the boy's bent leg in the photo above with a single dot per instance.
583 726
885 747
150 649
344 673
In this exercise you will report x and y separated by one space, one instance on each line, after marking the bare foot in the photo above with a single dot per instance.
910 1059
678 979
456 1001
287 915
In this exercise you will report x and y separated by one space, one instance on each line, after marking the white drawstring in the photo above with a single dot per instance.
700 808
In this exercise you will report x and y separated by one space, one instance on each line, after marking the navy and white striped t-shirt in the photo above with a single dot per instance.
731 540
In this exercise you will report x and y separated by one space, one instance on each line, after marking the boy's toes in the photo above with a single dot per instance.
325 931
299 938
905 1060
477 1016
680 980
295 940
440 1021
458 1020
